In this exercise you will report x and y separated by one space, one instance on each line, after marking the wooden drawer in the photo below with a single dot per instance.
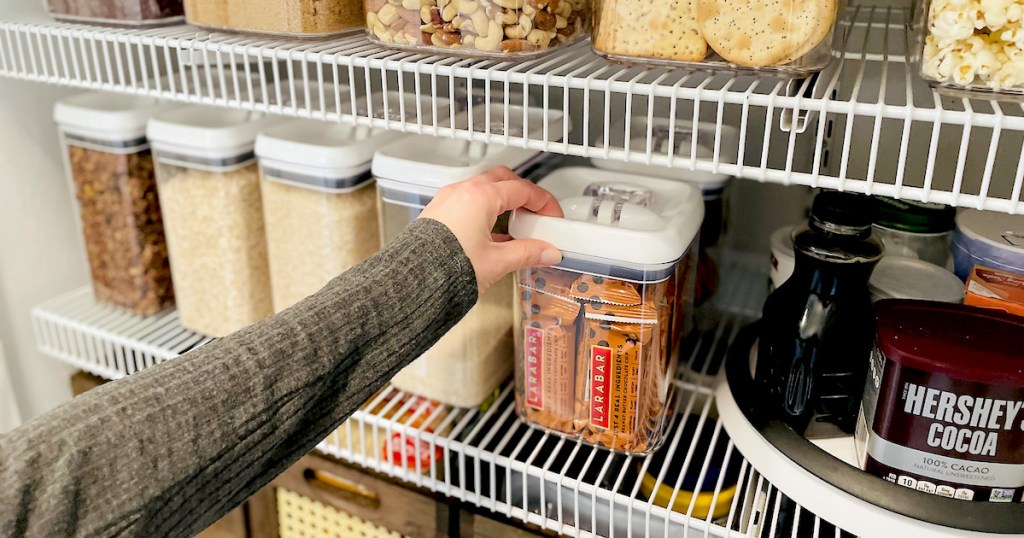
366 497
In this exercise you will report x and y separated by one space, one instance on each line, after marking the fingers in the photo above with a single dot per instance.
525 253
494 175
520 193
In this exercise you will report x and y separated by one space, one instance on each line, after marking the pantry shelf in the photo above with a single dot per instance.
488 457
839 129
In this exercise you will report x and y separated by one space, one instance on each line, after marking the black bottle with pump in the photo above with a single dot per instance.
817 328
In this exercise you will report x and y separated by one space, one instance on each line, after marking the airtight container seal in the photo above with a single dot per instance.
207 137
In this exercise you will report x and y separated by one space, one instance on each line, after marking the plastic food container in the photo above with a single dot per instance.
597 338
941 408
679 136
487 28
915 229
319 204
992 288
737 35
988 238
472 360
210 193
111 169
972 45
295 18
907 278
117 12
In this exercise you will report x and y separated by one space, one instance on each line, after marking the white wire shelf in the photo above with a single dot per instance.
867 123
487 456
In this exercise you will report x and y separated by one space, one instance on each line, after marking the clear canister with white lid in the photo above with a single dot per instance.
213 214
470 362
110 166
319 204
291 18
598 336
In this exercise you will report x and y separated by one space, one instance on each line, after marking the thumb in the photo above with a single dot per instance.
525 253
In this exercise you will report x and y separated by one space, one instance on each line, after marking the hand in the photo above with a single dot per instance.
470 208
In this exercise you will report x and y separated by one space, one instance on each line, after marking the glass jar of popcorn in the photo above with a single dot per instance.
973 45
487 28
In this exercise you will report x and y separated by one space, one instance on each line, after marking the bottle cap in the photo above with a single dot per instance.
841 213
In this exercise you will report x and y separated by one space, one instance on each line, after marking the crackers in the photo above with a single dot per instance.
665 30
760 33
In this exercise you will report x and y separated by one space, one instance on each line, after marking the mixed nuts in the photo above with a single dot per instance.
477 26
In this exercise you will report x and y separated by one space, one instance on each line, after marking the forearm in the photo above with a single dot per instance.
169 450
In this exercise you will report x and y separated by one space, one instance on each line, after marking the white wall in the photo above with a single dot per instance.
40 253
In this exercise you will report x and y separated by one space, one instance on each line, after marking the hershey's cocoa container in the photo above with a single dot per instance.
943 407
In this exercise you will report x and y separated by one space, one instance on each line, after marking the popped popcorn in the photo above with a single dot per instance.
975 43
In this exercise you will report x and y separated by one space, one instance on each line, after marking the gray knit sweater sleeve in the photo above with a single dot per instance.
168 451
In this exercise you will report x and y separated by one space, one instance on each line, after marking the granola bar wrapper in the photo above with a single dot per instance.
548 342
621 360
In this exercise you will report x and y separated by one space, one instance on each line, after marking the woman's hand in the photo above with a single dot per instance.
470 208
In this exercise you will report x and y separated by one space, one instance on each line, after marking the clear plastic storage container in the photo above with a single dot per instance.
915 229
488 28
779 37
972 45
319 204
598 336
111 168
295 18
471 361
210 191
117 12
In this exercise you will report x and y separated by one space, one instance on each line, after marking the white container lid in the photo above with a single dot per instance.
645 224
682 139
425 164
896 277
207 132
106 116
1000 230
316 154
414 108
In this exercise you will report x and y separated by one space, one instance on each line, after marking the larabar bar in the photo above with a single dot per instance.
993 288
549 332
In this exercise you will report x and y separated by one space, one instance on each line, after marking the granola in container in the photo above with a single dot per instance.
598 337
485 28
111 170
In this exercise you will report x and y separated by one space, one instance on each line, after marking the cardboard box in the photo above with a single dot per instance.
992 288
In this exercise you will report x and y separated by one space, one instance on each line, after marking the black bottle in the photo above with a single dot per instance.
816 330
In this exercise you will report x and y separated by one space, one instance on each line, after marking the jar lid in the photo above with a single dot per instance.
426 164
958 341
896 277
913 217
622 221
207 132
106 116
318 150
1000 230
680 135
